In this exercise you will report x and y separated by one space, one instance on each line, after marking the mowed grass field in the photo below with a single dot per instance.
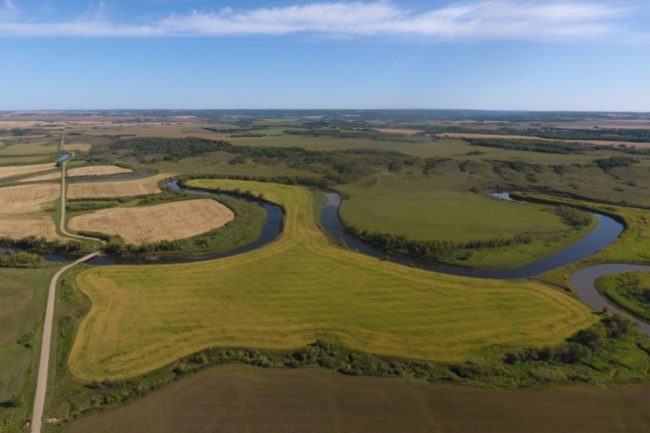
122 188
167 221
25 210
301 287
22 298
246 399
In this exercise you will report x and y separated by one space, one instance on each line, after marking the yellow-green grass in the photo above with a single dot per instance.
424 209
621 289
21 149
22 298
300 287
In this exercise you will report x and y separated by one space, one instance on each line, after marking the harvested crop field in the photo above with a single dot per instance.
91 170
77 147
296 289
22 212
43 177
97 170
18 228
235 398
124 188
21 170
398 131
24 199
168 221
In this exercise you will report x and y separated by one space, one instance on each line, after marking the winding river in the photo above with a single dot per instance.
606 232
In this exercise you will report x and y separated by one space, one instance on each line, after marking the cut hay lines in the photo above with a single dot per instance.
300 287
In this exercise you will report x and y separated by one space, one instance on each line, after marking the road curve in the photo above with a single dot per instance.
583 283
44 363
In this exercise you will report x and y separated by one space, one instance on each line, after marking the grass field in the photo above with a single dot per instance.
22 170
629 290
30 148
246 399
26 159
168 221
298 288
26 212
424 209
123 188
22 298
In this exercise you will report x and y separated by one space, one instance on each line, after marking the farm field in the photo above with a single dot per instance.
97 170
22 170
287 400
26 160
124 188
301 287
629 290
77 147
22 299
168 221
20 149
423 209
91 170
26 210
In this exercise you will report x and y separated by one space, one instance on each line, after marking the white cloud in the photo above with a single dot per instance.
478 19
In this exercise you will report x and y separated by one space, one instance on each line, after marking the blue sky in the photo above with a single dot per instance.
487 54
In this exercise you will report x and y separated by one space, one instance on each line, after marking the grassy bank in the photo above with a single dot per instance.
632 246
630 290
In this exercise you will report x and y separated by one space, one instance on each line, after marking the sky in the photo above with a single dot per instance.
582 55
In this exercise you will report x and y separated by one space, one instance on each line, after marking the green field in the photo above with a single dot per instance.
630 290
246 399
22 301
30 148
299 288
424 209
